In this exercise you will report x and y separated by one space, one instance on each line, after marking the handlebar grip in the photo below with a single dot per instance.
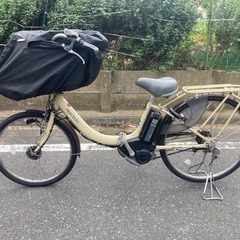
91 47
94 49
76 40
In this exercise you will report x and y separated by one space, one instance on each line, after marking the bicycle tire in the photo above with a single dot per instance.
187 164
19 134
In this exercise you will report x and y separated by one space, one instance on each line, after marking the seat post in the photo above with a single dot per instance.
151 98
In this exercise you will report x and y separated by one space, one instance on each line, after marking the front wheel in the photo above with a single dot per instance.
19 135
194 164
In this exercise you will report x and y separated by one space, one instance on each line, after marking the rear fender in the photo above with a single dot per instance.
197 108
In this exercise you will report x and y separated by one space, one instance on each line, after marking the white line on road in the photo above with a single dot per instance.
88 147
53 147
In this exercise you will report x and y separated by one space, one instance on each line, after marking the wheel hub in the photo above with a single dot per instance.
205 134
33 155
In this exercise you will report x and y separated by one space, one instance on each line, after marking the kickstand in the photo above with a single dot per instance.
210 182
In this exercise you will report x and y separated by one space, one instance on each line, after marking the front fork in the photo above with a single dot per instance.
46 133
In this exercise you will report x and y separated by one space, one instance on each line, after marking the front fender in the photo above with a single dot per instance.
66 124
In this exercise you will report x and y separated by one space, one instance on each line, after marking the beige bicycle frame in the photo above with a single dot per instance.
60 103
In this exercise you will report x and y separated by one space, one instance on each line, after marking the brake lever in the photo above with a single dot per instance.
75 38
69 48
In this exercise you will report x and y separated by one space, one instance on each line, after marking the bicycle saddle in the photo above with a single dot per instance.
158 87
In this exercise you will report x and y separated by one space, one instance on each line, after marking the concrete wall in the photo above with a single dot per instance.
117 90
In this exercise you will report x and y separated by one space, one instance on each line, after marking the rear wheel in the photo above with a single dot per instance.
193 164
19 135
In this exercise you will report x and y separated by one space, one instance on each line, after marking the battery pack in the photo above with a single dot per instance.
151 127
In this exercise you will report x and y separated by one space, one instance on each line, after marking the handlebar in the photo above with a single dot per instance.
74 39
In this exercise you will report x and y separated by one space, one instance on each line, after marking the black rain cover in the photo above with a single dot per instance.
32 64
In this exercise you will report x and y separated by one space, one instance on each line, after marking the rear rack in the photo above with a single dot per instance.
218 88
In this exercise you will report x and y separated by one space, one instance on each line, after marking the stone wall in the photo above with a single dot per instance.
117 90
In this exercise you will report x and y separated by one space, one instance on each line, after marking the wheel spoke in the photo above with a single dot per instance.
19 135
193 165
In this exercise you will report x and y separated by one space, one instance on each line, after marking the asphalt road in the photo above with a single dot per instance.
105 198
